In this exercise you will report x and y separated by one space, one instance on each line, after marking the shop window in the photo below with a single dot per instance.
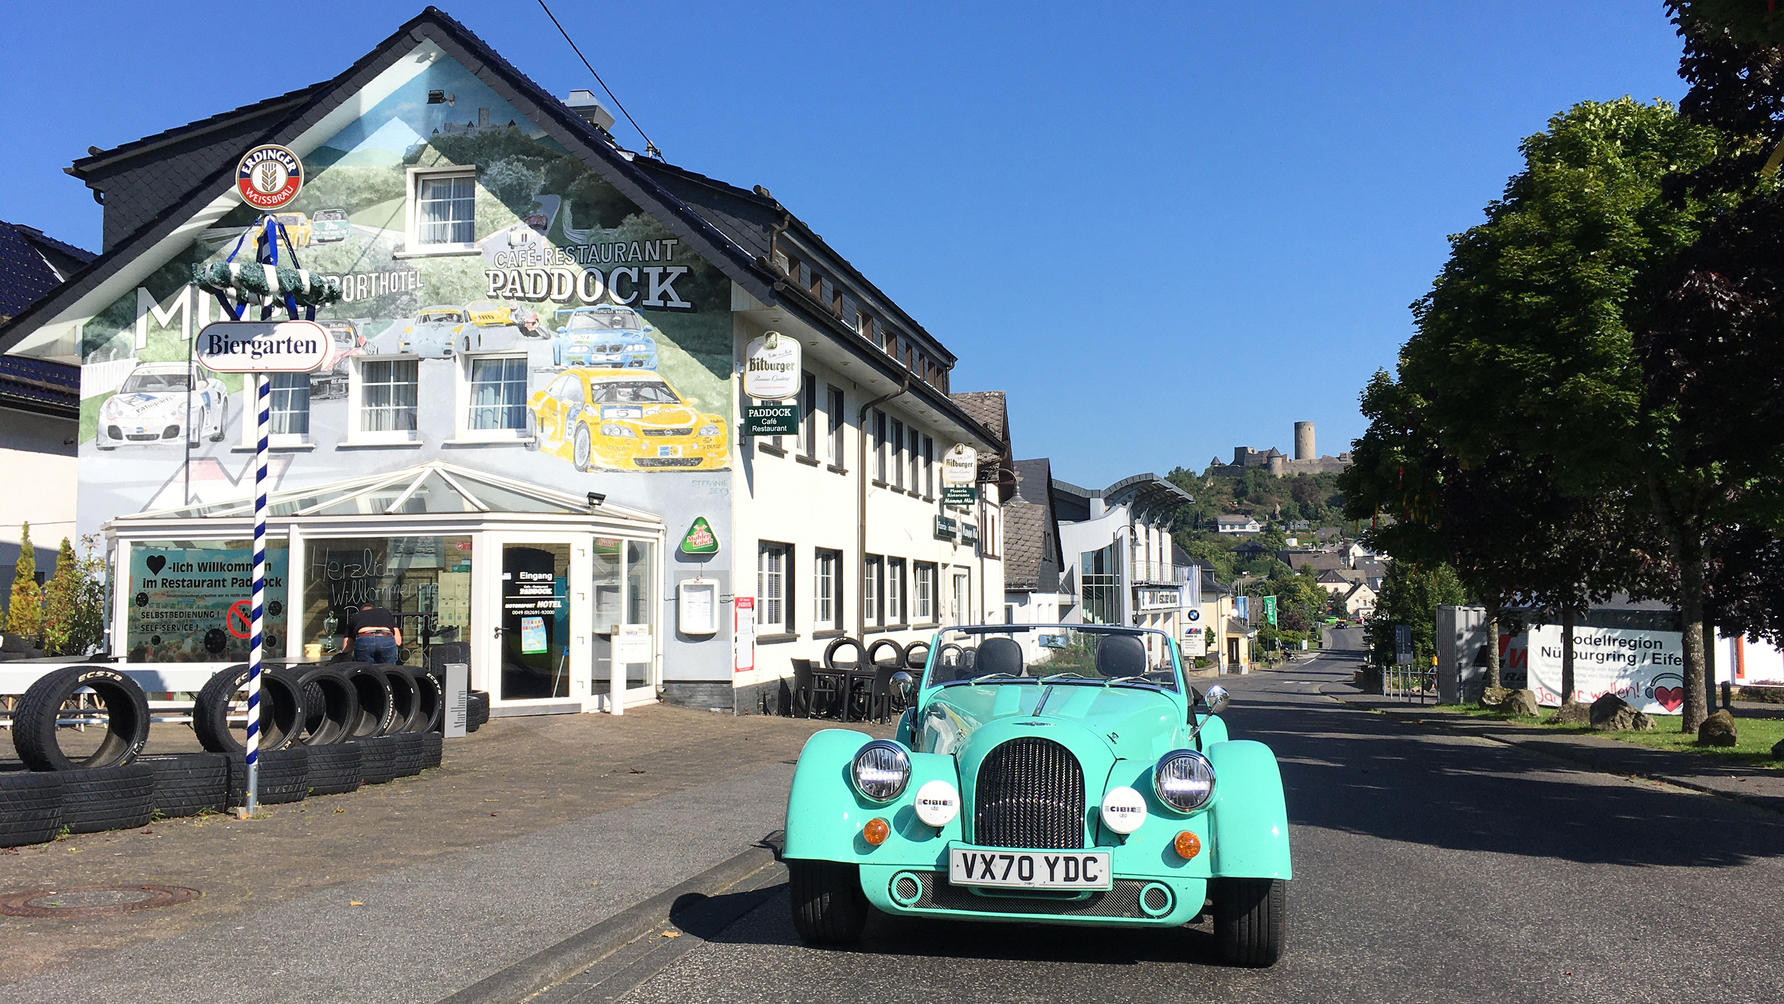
442 210
873 573
425 581
385 397
1099 582
838 421
808 418
185 600
923 599
774 600
897 450
988 542
827 589
493 396
894 592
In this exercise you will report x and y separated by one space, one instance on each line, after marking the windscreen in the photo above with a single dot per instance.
1053 653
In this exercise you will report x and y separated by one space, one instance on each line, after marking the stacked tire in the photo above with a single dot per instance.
83 791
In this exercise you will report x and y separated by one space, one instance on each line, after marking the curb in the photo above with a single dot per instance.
1753 801
583 949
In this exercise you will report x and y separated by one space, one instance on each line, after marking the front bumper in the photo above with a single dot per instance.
1135 900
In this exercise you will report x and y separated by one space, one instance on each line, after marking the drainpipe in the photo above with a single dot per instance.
861 505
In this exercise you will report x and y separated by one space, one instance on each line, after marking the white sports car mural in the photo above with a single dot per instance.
163 403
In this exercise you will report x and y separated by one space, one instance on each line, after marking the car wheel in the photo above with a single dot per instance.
828 906
1249 920
583 447
531 442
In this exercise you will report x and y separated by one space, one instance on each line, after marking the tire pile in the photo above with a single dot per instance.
325 729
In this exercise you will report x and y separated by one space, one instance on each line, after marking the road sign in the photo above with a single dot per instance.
771 419
262 346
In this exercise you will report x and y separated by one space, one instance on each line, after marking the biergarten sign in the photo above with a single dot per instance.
262 346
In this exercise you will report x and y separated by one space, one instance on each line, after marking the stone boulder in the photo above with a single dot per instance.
1717 730
1493 698
1611 713
1521 703
1573 713
1778 750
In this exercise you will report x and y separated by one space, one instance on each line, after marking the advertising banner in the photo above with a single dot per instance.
1644 668
194 604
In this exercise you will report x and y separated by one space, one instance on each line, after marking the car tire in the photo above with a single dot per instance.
187 784
222 423
30 807
476 710
336 769
284 776
411 755
405 699
431 702
331 705
386 758
35 728
582 450
281 711
1249 920
828 905
376 708
111 798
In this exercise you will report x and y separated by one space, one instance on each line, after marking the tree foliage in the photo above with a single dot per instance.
24 607
74 601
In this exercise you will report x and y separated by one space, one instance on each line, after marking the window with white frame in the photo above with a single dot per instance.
894 591
385 400
913 458
494 397
873 572
774 600
442 210
808 418
837 421
923 598
288 409
827 589
897 445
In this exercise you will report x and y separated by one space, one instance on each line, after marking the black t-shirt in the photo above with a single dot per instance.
374 617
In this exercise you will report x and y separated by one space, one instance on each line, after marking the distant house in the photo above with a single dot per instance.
1299 525
1233 523
1317 560
1335 581
1359 602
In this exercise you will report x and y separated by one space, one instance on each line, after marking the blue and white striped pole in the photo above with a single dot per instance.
262 397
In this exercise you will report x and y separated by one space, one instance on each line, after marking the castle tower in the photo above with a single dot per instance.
1304 441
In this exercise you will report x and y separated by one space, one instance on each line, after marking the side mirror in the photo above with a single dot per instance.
1217 699
902 683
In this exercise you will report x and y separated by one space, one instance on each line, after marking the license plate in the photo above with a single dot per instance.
1008 869
668 451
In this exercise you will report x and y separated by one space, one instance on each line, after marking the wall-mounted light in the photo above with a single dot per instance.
595 499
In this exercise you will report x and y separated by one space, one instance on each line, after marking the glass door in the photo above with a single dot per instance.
531 648
624 577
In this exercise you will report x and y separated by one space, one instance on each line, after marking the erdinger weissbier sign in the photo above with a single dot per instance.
262 346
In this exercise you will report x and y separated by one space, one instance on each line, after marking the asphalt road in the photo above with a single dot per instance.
1429 867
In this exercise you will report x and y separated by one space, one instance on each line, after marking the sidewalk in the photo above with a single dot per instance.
532 829
1753 785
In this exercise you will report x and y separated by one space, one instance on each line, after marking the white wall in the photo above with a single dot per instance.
37 454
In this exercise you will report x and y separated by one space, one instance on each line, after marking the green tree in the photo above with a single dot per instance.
1410 595
74 601
24 608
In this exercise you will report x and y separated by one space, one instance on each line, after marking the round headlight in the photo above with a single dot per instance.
709 430
881 770
616 430
1184 780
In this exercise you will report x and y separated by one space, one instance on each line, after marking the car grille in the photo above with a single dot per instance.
688 431
667 461
1030 794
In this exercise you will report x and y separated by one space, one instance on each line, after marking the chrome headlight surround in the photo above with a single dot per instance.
1184 780
617 431
881 770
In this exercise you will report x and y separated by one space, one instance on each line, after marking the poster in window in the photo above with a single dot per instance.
532 635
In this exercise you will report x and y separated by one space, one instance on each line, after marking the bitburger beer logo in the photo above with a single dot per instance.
269 177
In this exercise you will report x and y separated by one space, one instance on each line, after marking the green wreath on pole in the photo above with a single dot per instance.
267 284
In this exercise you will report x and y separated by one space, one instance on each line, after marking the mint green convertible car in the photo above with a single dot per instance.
1061 774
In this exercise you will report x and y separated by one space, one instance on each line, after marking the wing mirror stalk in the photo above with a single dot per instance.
1216 699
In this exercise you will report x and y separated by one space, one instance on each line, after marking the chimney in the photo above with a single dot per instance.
583 103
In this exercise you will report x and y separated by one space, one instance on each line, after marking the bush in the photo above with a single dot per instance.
24 608
74 601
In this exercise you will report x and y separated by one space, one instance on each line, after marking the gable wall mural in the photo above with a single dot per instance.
568 339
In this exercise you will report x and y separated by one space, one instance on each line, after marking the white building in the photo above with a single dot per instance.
1116 544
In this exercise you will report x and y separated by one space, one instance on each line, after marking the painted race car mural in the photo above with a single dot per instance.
604 336
625 420
163 403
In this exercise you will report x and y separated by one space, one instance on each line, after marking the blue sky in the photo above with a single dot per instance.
1162 233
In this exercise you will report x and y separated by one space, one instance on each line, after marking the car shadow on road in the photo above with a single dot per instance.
762 917
1371 775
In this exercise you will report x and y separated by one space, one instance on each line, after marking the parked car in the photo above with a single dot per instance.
438 332
623 420
488 314
607 336
1057 774
163 403
345 342
329 225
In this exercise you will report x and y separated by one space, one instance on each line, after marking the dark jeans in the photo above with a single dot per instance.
375 648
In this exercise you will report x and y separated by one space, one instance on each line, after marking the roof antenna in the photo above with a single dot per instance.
649 147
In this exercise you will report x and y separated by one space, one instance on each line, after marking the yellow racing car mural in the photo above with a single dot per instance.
623 420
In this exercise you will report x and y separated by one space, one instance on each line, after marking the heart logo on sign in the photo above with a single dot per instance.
156 563
1670 697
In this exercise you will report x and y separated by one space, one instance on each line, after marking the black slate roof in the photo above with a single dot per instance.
32 264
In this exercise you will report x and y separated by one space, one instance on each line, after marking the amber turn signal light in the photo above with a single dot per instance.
877 830
1188 845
